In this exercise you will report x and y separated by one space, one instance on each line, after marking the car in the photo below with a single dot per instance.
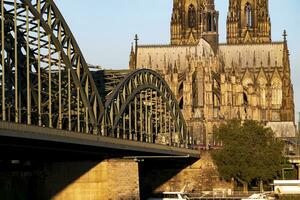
260 196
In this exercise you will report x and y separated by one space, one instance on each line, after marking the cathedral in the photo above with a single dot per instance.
248 77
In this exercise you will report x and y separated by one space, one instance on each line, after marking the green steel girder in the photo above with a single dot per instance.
39 34
133 84
135 92
46 82
50 27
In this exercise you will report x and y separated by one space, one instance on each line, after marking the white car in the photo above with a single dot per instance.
171 196
261 196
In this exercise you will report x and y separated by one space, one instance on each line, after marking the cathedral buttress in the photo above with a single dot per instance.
288 106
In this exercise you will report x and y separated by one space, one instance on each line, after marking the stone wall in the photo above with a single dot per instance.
112 179
201 175
123 180
107 180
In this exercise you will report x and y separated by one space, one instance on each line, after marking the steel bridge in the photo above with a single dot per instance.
49 92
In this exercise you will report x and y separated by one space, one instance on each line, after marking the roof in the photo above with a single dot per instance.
157 56
283 129
253 55
240 56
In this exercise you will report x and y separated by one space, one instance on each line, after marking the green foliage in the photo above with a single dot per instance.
290 174
250 152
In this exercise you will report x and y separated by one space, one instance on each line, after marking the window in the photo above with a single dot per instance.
215 23
192 16
181 103
246 103
248 10
209 22
263 101
247 83
263 92
276 92
245 99
216 103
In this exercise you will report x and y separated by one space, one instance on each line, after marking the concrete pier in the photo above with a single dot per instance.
112 179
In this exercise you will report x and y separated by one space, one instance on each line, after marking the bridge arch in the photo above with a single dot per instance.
45 81
143 108
43 68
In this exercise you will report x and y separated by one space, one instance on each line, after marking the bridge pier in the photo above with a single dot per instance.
157 176
107 179
111 179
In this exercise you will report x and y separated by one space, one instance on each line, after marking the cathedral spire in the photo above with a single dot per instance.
248 21
284 36
192 20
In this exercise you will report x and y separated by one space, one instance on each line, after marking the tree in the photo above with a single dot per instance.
250 152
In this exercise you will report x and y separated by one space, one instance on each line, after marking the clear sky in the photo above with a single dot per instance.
105 29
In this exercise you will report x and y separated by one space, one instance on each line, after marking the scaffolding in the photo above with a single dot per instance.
298 136
299 123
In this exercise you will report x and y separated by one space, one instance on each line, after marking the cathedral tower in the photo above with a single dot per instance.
192 20
248 21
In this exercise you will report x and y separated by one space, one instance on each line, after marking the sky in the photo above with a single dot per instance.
104 29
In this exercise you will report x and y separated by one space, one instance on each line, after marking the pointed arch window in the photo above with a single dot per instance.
215 23
215 139
209 22
247 82
263 100
276 92
263 93
245 99
192 16
216 103
248 10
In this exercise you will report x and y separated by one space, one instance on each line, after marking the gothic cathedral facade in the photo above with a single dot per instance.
248 77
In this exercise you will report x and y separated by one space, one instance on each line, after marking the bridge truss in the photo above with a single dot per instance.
46 82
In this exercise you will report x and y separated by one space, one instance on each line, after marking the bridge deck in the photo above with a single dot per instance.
48 135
